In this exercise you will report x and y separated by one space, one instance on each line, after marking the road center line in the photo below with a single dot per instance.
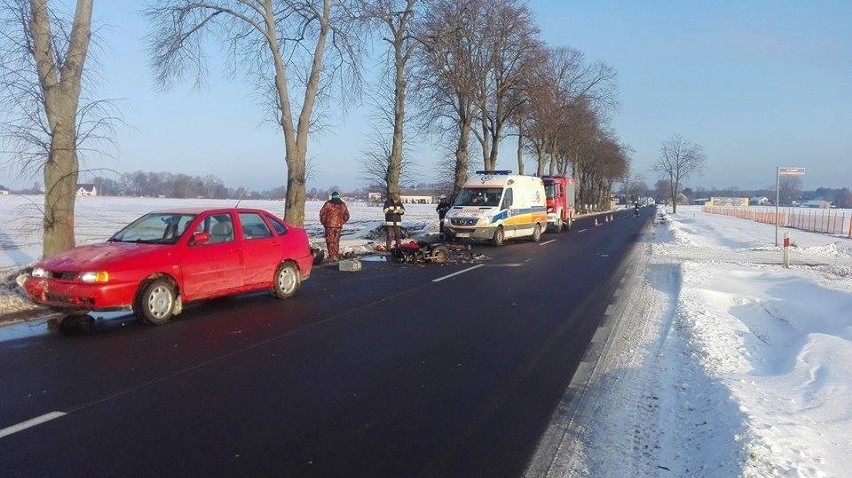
439 279
547 242
582 230
30 423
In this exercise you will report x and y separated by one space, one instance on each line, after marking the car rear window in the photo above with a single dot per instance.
253 226
279 227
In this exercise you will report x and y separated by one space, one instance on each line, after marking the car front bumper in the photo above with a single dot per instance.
69 295
478 233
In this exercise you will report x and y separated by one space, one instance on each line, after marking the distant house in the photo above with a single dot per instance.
87 190
418 197
816 203
728 202
374 197
406 197
4 192
759 201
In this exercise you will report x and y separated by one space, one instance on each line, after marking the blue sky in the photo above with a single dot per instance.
757 83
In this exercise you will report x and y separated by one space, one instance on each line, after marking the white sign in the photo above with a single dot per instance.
788 171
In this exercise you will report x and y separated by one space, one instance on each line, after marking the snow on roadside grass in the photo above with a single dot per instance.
723 363
779 340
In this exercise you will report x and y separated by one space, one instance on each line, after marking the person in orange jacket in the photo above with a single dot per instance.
333 215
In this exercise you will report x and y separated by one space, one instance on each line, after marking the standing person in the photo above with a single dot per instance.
443 207
333 215
393 219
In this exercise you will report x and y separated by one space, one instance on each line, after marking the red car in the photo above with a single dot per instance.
167 258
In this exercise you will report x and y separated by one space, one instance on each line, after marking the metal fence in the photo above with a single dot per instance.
827 221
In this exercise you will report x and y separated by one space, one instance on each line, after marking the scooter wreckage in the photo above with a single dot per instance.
420 252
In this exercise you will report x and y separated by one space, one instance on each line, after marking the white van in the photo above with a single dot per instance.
497 205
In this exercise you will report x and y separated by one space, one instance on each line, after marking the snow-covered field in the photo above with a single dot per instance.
99 217
720 362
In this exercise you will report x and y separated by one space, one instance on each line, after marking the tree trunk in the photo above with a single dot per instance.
542 159
520 151
554 158
294 206
60 88
485 141
395 161
462 159
296 139
674 185
60 179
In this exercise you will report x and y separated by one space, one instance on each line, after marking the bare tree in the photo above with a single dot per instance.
292 48
377 159
449 72
41 74
637 188
396 18
570 97
790 188
509 52
661 186
601 162
679 159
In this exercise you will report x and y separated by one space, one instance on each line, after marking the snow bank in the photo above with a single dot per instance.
722 363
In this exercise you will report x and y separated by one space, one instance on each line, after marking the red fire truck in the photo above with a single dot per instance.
560 202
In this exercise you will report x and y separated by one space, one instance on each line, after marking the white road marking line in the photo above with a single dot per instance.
439 279
600 335
582 230
30 423
547 242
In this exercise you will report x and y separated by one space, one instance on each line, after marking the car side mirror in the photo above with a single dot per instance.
199 238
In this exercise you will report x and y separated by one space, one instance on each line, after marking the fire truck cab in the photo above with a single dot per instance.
559 191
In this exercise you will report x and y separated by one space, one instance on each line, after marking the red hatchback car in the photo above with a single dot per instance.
167 258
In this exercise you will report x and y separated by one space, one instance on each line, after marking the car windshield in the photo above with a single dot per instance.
155 228
486 197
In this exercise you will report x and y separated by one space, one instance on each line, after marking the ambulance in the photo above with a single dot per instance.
497 205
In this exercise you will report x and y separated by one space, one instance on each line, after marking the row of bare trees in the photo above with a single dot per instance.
482 71
466 68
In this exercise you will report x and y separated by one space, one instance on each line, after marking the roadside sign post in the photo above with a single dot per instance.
782 171
786 261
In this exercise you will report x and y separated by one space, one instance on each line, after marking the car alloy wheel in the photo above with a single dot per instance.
155 302
287 280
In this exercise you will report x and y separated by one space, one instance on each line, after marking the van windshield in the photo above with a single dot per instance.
486 197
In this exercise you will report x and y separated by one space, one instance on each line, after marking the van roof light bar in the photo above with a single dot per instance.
504 172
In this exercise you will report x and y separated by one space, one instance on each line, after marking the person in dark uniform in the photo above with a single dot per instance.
443 206
393 219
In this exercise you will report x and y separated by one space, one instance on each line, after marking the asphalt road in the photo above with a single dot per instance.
398 370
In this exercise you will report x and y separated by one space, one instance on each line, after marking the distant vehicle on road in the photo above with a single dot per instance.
167 258
560 201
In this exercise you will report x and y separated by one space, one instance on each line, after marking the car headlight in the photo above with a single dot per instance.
94 277
40 272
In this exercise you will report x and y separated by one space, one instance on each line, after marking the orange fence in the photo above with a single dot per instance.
828 221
